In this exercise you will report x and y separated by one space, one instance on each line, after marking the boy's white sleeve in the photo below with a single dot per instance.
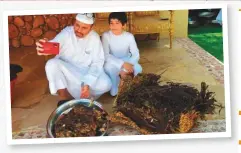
135 56
108 57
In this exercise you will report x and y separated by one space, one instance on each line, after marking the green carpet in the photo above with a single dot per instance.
209 38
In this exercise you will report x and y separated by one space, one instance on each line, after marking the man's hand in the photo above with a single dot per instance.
39 46
128 67
85 92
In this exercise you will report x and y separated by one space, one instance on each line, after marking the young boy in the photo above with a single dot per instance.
121 52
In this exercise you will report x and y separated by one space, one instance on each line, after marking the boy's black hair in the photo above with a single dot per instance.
121 16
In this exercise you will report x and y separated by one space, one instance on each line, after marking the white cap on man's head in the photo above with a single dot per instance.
86 18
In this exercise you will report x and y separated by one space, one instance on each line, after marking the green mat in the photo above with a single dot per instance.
210 38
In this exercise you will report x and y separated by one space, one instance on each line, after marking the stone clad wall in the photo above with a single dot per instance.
26 30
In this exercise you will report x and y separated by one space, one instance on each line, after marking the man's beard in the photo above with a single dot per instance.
78 34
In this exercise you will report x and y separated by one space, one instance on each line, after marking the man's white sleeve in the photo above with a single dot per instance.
96 67
61 38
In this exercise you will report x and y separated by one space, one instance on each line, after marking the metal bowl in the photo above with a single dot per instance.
65 108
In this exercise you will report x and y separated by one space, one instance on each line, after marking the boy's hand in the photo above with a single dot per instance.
39 46
128 67
85 92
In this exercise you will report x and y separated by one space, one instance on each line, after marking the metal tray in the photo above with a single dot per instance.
65 108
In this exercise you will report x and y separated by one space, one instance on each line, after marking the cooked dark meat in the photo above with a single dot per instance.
81 121
158 108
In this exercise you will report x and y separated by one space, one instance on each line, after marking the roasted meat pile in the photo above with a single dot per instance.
162 108
81 121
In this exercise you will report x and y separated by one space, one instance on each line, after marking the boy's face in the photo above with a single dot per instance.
116 26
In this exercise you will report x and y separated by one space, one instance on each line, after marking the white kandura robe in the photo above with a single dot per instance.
80 62
119 49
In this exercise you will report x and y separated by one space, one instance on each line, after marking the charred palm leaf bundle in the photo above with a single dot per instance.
81 121
150 107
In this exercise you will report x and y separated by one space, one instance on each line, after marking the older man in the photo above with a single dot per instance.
77 71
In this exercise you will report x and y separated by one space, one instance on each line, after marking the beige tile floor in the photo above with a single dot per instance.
32 103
